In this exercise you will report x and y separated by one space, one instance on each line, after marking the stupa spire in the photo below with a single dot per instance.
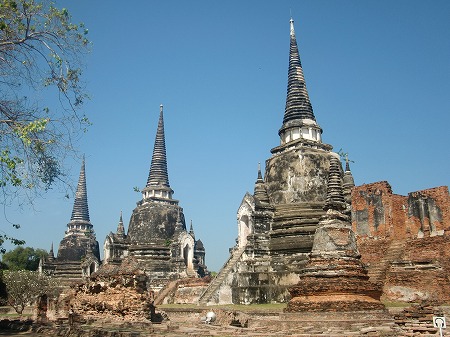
348 182
347 165
260 192
191 230
259 173
158 179
158 170
51 254
298 105
80 223
80 210
299 120
120 227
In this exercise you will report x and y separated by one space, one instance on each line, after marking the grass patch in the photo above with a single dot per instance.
389 304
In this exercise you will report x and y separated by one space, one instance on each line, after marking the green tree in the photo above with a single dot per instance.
24 287
41 93
23 258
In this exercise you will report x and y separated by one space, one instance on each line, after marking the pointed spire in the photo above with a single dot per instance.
158 179
260 192
80 210
348 182
259 173
299 122
191 230
80 223
298 105
158 170
335 198
120 227
51 254
347 165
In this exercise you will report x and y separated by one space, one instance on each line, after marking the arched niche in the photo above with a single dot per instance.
245 219
187 249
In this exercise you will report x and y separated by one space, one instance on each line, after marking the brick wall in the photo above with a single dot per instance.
378 213
421 273
420 222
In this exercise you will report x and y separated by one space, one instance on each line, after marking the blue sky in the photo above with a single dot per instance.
377 72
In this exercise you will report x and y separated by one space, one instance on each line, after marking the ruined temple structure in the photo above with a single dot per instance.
335 279
402 239
157 236
78 253
405 240
334 286
276 224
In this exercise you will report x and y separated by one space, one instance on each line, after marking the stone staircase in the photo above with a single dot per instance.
168 289
217 281
377 272
68 273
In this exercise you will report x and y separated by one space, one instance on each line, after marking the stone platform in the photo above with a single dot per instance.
358 323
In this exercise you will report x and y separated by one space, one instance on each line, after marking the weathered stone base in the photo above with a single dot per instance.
334 294
334 303
260 281
260 294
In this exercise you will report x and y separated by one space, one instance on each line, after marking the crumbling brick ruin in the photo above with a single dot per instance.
379 213
117 292
405 240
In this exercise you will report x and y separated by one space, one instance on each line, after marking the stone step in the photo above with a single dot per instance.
165 291
217 281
